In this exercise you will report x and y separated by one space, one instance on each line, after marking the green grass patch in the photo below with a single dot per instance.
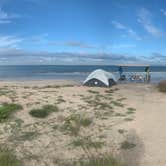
131 109
128 119
44 111
6 110
107 160
121 131
117 104
127 145
7 158
119 114
74 122
87 143
93 92
27 136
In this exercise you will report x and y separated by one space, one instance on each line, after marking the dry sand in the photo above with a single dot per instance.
127 112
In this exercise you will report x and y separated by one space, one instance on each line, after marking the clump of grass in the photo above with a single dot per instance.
128 119
118 104
109 91
119 114
107 160
162 86
44 111
27 136
121 99
87 143
6 110
127 145
7 158
60 100
121 131
92 91
74 122
131 109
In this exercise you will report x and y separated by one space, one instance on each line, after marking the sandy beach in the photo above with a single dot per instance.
126 121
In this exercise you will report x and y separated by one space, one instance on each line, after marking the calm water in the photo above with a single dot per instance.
78 73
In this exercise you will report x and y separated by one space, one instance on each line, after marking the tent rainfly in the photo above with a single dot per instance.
100 78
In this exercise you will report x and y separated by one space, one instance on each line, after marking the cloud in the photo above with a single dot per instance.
18 56
6 18
163 12
118 25
9 41
128 30
78 44
74 44
145 19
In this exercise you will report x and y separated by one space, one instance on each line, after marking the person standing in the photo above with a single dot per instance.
120 71
147 76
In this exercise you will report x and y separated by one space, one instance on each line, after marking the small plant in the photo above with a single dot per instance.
121 131
107 160
127 145
60 100
109 91
44 111
119 114
116 103
8 159
27 136
162 86
131 109
87 143
74 122
92 91
6 110
128 119
121 99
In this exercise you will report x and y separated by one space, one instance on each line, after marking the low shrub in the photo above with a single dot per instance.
44 111
7 109
8 159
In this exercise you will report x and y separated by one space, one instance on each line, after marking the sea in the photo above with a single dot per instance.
73 72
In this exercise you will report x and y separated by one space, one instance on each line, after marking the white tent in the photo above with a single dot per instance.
100 77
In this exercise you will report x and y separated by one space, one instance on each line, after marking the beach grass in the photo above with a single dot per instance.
44 111
74 122
106 160
127 145
93 92
87 143
7 158
117 104
6 110
162 86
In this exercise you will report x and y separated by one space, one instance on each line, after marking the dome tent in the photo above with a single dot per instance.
100 78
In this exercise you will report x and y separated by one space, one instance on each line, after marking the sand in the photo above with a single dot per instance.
127 112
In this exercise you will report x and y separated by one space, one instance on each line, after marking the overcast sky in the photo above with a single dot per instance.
82 32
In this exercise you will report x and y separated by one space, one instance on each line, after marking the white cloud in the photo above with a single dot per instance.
6 18
74 44
163 11
118 25
145 19
9 41
128 30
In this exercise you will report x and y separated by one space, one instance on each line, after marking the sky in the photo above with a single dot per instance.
82 32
